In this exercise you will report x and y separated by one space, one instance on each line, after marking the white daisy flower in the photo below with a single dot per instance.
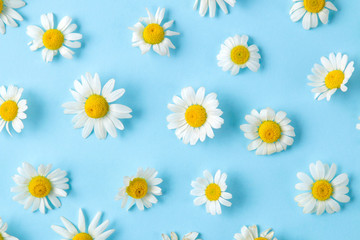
173 236
8 15
141 188
236 54
323 189
211 190
334 73
54 40
12 109
195 115
37 188
252 233
93 109
94 231
211 5
269 131
310 10
3 234
153 34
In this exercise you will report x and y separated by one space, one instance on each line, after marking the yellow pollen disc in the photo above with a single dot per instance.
314 6
53 39
153 33
9 110
260 238
334 79
137 188
240 55
39 187
195 116
1 8
269 131
322 190
1 237
96 106
213 192
82 236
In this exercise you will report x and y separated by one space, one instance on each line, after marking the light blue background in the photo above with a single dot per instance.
262 187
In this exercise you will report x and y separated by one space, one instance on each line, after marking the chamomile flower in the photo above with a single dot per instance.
310 11
12 109
8 15
3 234
270 132
211 5
94 108
94 231
211 191
54 40
252 233
152 34
37 188
334 73
236 54
173 236
323 190
195 115
142 188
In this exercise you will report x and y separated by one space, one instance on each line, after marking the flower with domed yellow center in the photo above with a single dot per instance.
94 108
54 40
310 11
173 236
211 5
323 190
37 188
252 233
270 132
235 54
153 34
142 188
211 191
94 231
12 109
334 73
8 15
3 234
195 115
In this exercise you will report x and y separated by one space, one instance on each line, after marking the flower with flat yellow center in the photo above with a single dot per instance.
96 106
53 39
9 110
153 34
213 192
322 190
39 187
82 236
195 115
334 79
260 238
314 6
240 55
1 9
137 188
269 131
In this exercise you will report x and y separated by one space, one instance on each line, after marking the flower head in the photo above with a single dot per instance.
8 15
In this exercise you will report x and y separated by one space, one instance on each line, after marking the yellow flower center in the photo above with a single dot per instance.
195 116
260 238
1 8
240 55
9 110
96 106
322 190
269 131
153 33
39 187
334 79
137 188
1 237
82 236
314 6
213 192
53 39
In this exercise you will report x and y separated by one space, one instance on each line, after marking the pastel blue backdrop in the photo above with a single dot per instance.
262 187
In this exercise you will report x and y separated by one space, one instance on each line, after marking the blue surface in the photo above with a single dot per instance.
262 187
